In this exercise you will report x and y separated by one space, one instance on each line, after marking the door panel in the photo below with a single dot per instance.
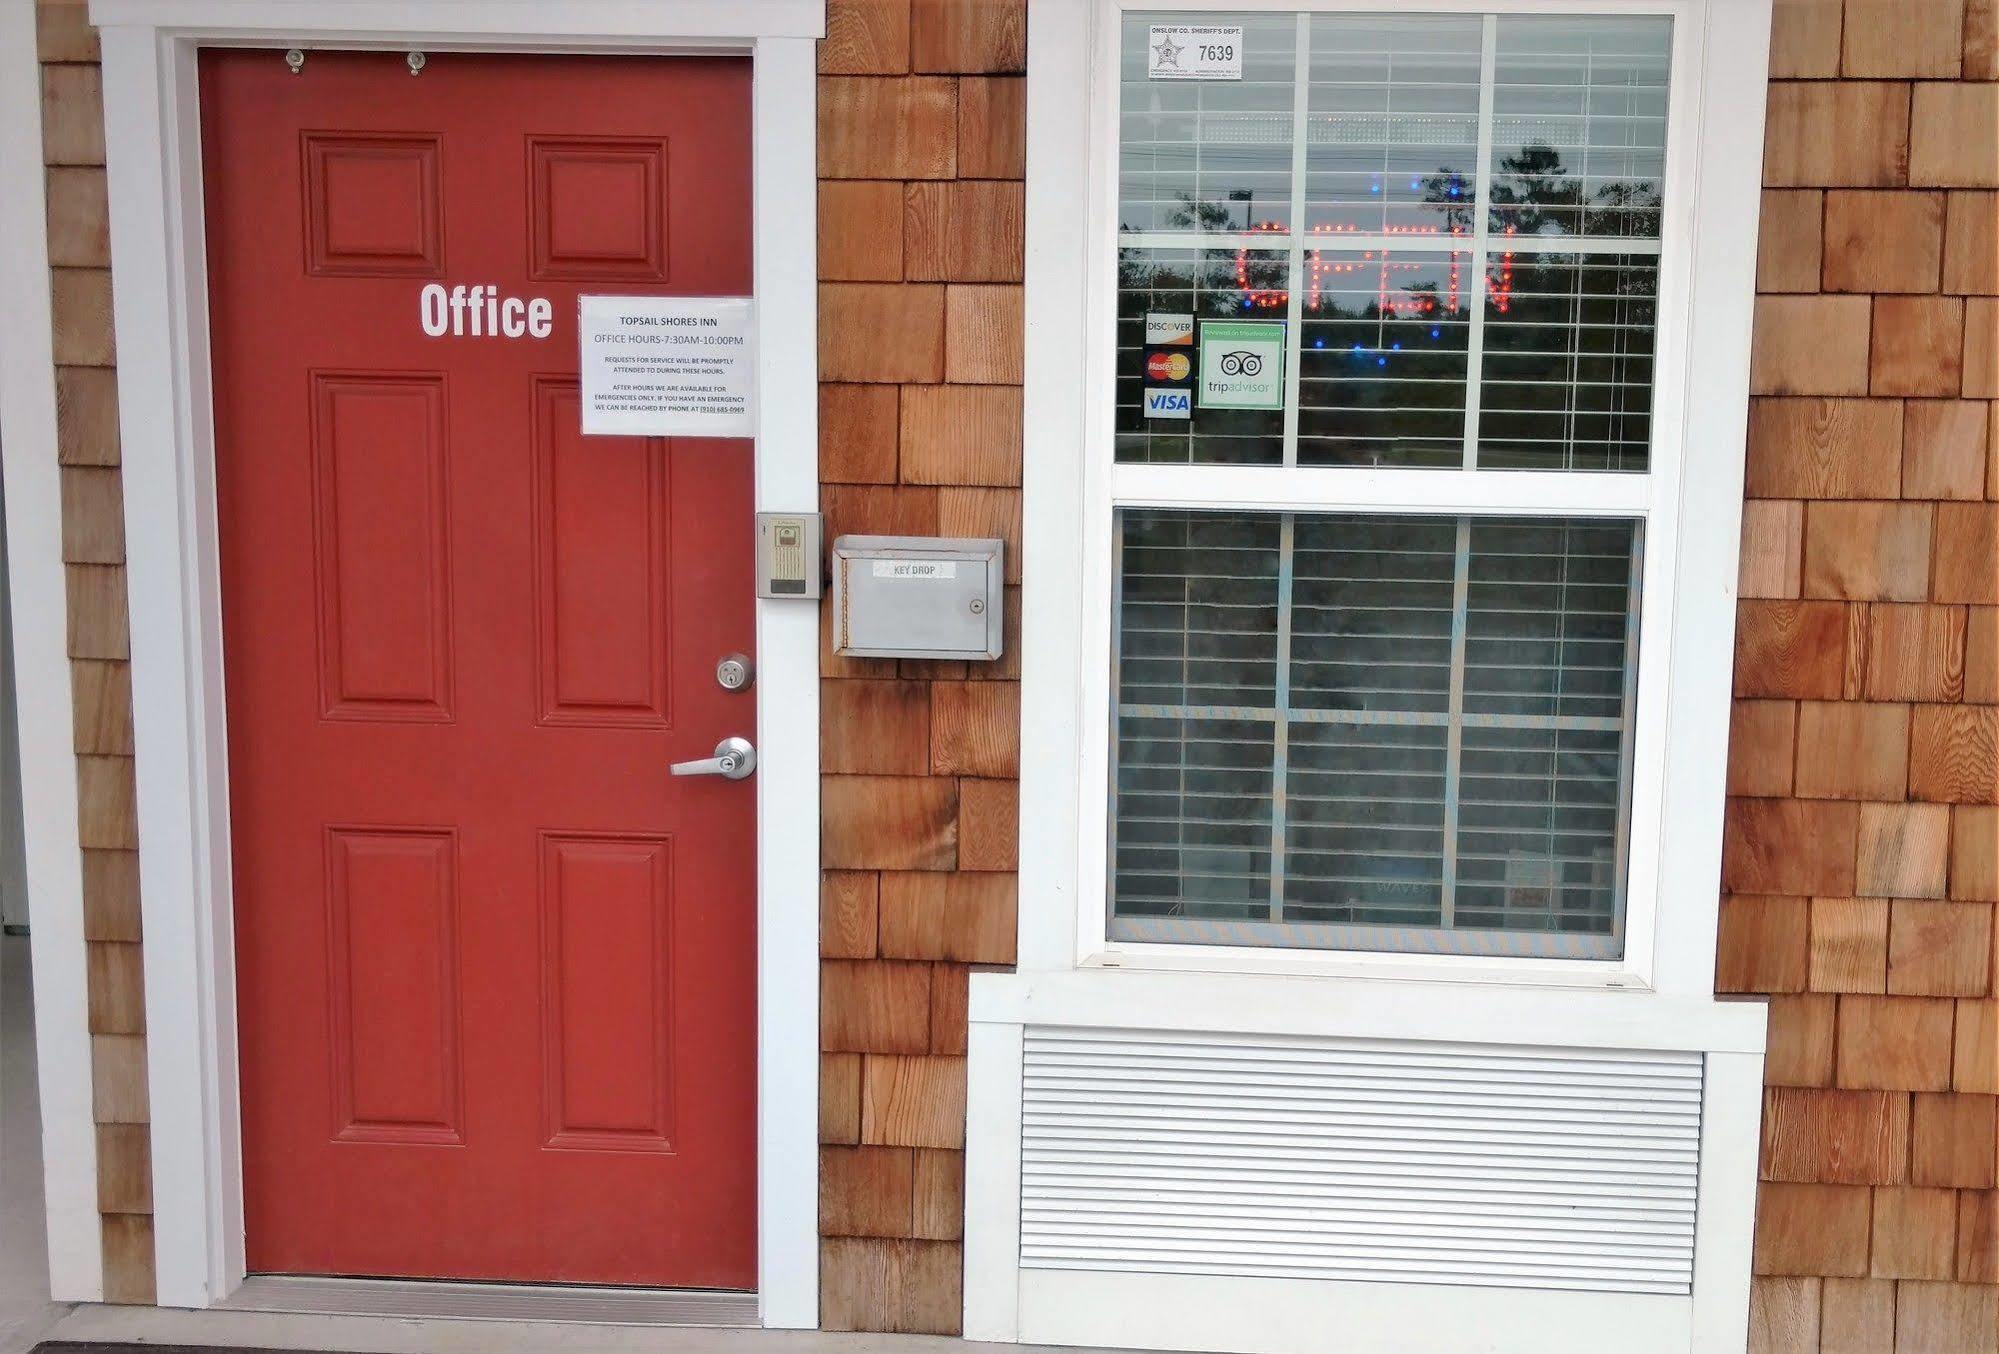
392 985
495 967
381 545
603 538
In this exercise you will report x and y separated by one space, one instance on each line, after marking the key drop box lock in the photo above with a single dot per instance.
918 597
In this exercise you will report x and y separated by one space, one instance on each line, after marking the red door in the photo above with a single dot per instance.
495 967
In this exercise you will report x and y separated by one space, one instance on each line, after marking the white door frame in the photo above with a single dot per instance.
152 134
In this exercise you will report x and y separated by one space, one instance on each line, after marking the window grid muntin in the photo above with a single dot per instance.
1294 243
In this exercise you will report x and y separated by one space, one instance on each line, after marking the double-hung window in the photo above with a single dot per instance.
1384 467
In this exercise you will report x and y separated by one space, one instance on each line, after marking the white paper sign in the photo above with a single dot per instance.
667 366
1194 52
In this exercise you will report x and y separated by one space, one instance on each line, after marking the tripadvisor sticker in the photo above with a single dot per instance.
1242 364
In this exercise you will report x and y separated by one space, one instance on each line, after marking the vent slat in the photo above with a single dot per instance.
1252 1209
1361 1159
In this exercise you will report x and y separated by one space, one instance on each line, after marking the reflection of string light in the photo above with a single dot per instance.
1257 298
1390 301
1501 289
1318 268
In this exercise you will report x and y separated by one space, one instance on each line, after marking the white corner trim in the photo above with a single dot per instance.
1716 312
992 1181
1731 1135
1060 62
784 120
39 598
152 136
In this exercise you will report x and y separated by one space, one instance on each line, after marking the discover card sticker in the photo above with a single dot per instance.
667 366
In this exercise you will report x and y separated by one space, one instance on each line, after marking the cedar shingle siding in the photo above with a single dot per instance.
920 235
1859 873
93 545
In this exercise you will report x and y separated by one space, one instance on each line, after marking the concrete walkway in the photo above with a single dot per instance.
26 1314
388 1335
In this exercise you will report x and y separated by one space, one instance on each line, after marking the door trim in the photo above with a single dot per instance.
152 133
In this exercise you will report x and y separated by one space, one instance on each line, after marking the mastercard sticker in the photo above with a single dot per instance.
1169 366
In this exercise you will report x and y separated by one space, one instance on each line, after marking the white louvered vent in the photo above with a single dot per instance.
1359 1159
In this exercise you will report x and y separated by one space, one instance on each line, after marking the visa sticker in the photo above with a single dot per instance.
1169 403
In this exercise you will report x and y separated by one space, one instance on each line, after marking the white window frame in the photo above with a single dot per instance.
1686 626
1661 995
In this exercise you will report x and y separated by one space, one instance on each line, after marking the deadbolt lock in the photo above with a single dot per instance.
734 672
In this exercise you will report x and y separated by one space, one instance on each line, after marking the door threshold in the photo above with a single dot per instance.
567 1303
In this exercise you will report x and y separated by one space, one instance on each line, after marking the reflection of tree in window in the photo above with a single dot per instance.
1533 193
1228 281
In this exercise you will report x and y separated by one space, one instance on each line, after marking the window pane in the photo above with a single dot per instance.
1209 155
1566 379
1392 126
1382 364
1579 125
1547 637
1372 606
1190 286
1446 701
1197 634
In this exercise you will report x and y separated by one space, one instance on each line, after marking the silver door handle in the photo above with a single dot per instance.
734 758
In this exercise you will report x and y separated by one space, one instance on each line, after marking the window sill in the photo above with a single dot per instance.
1266 1003
1482 970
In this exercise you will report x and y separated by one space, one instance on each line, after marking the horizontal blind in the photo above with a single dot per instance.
1579 124
1359 1159
1198 655
1565 376
1206 155
1442 760
1392 123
